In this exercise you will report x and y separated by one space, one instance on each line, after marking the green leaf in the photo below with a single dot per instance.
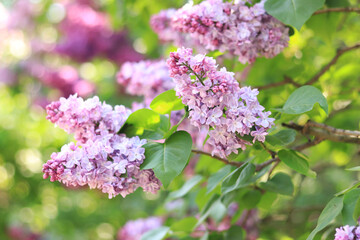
296 162
235 232
216 178
238 178
156 234
331 210
147 124
184 225
168 159
356 214
251 199
293 12
303 99
350 200
355 185
185 188
166 102
280 183
282 138
354 169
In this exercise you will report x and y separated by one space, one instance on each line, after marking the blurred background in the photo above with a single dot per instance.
50 49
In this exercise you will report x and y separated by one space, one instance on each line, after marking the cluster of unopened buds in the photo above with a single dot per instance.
246 32
101 158
216 101
347 233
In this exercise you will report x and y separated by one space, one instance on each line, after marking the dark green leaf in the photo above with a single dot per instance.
238 178
251 199
296 162
235 233
168 159
293 12
166 102
350 200
331 210
184 225
216 178
280 183
303 99
282 138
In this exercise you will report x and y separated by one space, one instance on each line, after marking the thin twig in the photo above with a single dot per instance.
237 164
325 132
287 80
273 167
346 9
339 52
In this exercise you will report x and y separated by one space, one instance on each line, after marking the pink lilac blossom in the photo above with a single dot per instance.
246 32
216 102
65 79
148 79
145 78
102 158
87 34
347 233
133 230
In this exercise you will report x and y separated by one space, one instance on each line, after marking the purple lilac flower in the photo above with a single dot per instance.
216 101
65 79
246 32
102 158
347 233
87 34
145 78
133 230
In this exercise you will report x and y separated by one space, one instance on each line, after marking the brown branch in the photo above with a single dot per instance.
346 9
287 80
237 164
325 132
339 52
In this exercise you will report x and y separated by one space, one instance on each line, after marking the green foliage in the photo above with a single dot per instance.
350 216
217 177
185 188
166 102
155 234
331 210
282 138
303 99
239 178
293 12
168 159
295 161
279 183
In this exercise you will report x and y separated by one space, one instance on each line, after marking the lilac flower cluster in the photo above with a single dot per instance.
65 79
145 78
347 233
102 158
87 34
246 32
149 79
133 230
216 101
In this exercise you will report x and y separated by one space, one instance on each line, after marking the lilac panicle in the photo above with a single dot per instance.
246 32
133 230
216 101
102 158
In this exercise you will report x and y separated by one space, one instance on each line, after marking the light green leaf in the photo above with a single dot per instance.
280 183
331 210
166 102
156 234
184 225
350 200
168 159
293 12
303 99
185 188
238 178
216 178
296 162
354 169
